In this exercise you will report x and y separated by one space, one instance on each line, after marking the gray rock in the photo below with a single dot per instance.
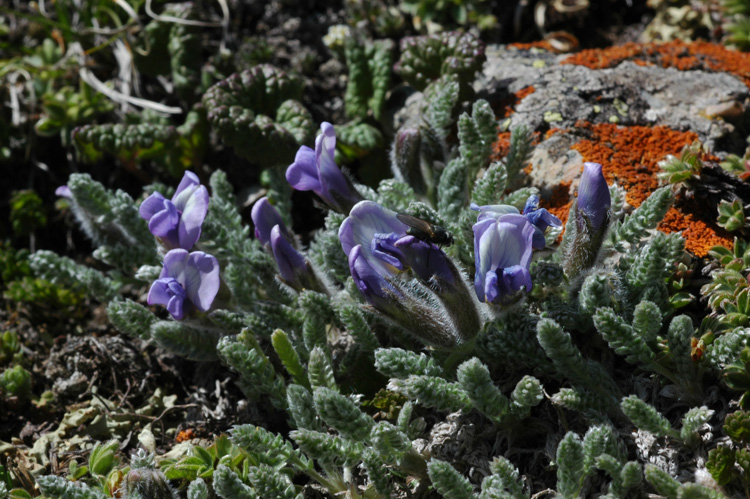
628 95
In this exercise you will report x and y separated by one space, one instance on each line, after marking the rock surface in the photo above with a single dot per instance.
557 95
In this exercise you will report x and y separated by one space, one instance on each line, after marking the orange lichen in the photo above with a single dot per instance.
675 54
185 435
558 203
630 154
699 236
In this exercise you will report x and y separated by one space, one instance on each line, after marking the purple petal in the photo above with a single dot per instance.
164 224
193 215
202 279
594 199
384 249
365 220
174 264
170 293
425 259
265 217
152 205
302 175
491 290
481 266
64 191
189 182
175 306
493 211
369 282
334 185
291 262
516 277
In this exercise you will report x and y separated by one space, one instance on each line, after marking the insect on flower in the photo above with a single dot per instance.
425 231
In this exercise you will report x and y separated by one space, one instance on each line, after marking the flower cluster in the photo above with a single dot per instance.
188 282
503 243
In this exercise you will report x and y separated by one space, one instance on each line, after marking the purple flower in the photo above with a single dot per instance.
502 254
379 248
271 231
370 282
188 281
594 200
317 171
265 217
177 222
292 264
387 248
64 191
540 218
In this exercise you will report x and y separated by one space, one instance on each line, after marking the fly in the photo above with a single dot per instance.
425 231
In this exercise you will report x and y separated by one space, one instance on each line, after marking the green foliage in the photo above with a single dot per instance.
257 375
341 414
26 212
66 108
399 363
54 487
622 337
328 449
184 49
65 272
646 417
519 153
732 215
193 341
369 65
447 481
389 441
424 59
489 188
486 397
570 363
9 347
131 318
174 149
356 139
737 427
289 357
258 113
228 484
433 392
686 168
570 469
441 96
636 225
739 32
356 324
320 370
16 382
